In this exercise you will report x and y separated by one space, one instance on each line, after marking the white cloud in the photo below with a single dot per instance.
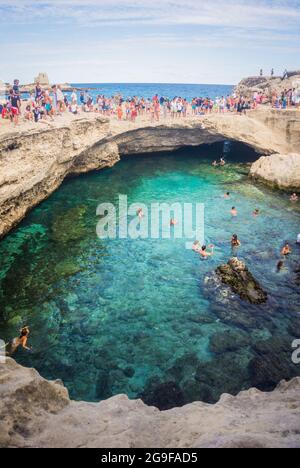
240 13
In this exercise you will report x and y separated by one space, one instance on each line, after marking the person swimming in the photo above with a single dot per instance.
235 242
173 222
256 213
286 250
294 197
140 213
280 266
214 164
204 253
222 161
21 340
196 246
226 196
234 212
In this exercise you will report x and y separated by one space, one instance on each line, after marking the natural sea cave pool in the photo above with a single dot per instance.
139 316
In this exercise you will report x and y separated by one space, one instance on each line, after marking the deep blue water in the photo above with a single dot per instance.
148 90
145 317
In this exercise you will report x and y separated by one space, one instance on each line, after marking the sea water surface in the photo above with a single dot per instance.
146 317
148 90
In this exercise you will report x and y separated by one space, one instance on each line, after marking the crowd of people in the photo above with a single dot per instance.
45 104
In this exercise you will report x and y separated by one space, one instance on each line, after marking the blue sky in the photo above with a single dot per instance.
172 41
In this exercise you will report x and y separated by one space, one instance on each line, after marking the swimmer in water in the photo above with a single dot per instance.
196 246
222 161
21 340
235 242
280 266
140 213
173 222
214 164
227 196
256 213
286 250
204 253
234 212
294 197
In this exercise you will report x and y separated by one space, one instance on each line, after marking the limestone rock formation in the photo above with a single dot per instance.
279 170
35 160
266 84
236 275
38 413
43 79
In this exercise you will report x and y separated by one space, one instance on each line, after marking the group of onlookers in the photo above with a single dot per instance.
45 104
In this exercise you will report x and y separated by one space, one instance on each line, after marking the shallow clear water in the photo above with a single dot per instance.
140 316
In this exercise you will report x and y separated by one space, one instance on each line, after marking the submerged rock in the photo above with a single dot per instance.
163 396
236 275
229 340
272 363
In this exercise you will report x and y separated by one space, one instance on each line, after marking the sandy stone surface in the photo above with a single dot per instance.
38 413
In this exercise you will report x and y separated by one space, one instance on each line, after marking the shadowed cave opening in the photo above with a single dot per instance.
140 317
233 151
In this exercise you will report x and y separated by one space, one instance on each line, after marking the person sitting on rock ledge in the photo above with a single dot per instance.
20 341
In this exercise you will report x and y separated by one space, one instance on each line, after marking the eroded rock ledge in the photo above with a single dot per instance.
35 160
38 413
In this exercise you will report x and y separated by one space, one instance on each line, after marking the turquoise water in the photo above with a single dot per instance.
146 317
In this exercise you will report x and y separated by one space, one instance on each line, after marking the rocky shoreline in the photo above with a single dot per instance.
37 413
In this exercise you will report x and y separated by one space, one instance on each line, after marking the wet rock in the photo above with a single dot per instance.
229 340
163 396
236 275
